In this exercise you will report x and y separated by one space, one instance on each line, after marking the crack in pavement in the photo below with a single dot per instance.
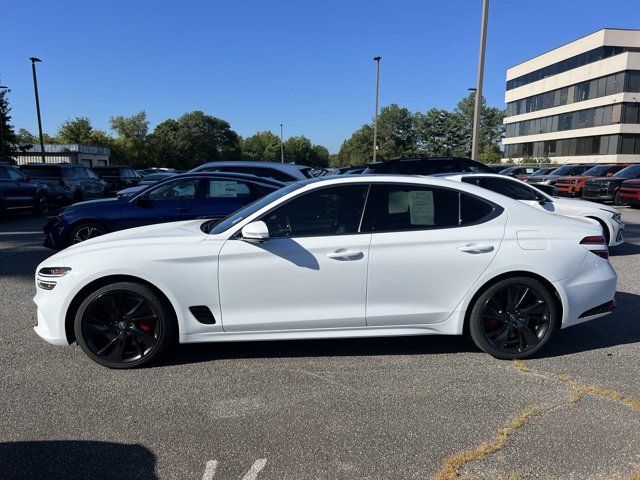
452 465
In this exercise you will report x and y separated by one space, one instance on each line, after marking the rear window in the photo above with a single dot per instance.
40 172
632 171
598 171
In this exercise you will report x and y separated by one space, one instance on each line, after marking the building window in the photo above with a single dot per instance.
572 147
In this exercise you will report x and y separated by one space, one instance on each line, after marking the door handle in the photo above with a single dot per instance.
475 248
345 254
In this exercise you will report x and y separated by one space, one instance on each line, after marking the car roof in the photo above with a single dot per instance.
284 167
58 165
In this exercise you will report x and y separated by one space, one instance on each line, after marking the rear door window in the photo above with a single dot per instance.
508 188
184 189
14 174
223 188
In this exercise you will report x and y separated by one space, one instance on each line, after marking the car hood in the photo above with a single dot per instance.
102 203
532 178
183 232
601 180
574 206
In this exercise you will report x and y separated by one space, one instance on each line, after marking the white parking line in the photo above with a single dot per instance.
210 470
212 465
258 465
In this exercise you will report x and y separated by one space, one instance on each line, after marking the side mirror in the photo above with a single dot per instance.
255 232
143 201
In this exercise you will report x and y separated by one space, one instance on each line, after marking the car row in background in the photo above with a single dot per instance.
19 193
207 195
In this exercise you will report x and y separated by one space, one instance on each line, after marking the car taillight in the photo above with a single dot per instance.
596 241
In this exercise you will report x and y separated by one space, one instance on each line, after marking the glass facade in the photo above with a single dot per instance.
585 58
569 147
628 81
590 117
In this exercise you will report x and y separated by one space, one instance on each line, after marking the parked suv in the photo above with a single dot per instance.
607 188
118 177
572 186
19 193
68 183
427 166
569 170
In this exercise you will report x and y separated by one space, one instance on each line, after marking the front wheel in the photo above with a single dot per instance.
123 325
513 318
85 231
41 207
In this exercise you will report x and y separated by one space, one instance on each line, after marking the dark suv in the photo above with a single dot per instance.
68 183
118 177
427 166
19 193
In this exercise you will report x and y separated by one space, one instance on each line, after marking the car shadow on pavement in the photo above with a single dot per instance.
624 249
75 459
620 328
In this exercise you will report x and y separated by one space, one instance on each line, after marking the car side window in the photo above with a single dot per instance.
508 188
15 174
3 173
221 188
91 174
326 211
177 190
473 209
398 207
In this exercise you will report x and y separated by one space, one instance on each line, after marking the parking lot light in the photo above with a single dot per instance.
35 60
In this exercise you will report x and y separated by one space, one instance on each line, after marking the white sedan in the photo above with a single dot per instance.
355 256
608 217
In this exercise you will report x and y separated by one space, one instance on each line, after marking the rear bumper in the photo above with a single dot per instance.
593 286
630 198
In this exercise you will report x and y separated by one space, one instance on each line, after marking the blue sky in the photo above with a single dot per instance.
255 64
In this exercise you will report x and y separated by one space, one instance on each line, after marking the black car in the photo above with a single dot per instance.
427 166
68 183
118 177
19 193
519 170
606 188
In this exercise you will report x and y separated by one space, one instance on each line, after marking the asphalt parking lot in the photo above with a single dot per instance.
419 407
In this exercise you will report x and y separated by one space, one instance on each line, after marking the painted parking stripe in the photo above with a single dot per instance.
258 465
210 470
212 465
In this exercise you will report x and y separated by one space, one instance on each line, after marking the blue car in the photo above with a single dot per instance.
180 197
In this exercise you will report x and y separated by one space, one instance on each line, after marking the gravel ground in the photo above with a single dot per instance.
376 409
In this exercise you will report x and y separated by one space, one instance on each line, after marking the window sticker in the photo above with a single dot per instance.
223 189
398 202
421 208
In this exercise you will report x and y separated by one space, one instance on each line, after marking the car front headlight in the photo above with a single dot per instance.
53 271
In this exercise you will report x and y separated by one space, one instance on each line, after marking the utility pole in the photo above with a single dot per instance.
478 100
375 118
35 60
281 144
3 89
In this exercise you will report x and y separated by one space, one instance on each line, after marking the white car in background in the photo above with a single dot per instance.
341 257
607 217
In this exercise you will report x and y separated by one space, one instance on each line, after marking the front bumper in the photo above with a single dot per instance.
54 233
598 193
52 306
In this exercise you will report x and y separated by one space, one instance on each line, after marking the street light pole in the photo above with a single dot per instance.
478 100
35 60
375 118
281 144
3 89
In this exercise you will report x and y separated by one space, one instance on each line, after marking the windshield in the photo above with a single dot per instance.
598 171
213 227
564 170
632 171
507 170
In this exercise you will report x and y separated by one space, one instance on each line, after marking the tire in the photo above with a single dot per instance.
41 207
124 325
85 231
617 201
501 327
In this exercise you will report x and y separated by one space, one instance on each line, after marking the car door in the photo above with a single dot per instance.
428 247
168 202
8 192
22 193
311 273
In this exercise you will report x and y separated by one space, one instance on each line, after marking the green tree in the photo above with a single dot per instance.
300 150
263 146
25 137
80 130
131 143
191 140
357 149
9 140
397 136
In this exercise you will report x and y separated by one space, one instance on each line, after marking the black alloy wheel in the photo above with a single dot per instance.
41 207
514 318
85 231
123 325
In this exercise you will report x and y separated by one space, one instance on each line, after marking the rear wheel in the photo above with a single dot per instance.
617 200
123 325
513 318
85 231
